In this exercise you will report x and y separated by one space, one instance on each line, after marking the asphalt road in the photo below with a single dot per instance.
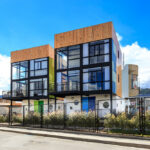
15 141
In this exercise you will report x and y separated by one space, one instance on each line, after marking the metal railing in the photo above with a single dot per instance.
70 116
64 87
6 94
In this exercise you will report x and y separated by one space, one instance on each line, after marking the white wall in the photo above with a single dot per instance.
125 81
118 104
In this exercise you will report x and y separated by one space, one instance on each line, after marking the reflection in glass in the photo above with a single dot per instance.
20 88
38 67
20 70
38 87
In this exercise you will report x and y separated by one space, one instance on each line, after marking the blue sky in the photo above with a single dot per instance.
29 23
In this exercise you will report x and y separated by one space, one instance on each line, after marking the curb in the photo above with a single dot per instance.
85 133
81 139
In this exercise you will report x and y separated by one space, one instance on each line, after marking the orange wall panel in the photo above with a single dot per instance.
32 53
84 35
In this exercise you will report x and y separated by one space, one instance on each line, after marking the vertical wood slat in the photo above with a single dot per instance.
32 53
84 35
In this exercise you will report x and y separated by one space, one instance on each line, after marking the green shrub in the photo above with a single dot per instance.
81 119
16 119
110 121
77 119
121 121
2 119
54 118
32 118
147 120
90 119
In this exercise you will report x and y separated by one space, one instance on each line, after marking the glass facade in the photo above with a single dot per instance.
20 88
96 79
68 57
96 52
20 70
71 67
38 67
38 87
68 81
114 69
31 71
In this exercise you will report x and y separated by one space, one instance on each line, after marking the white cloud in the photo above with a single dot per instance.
135 54
4 73
119 37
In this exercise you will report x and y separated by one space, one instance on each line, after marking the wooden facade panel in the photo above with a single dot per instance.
133 69
32 53
84 35
119 83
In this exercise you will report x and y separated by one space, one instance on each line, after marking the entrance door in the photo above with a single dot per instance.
38 106
85 104
41 104
88 103
91 103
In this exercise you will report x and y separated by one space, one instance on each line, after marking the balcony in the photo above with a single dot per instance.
66 87
6 94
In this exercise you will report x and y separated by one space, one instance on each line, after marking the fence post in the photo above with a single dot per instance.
9 116
64 115
41 116
23 116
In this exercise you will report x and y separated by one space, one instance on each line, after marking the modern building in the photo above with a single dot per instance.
88 68
32 71
130 88
130 85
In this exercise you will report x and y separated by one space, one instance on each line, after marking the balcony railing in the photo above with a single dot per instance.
65 87
6 94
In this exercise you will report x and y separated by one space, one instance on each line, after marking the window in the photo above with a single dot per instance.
118 54
20 88
68 57
62 81
134 81
62 58
38 67
38 87
20 70
96 52
96 79
118 78
74 80
68 81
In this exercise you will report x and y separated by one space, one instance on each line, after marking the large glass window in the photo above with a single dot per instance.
20 70
74 80
68 57
96 79
68 81
62 81
96 52
38 87
62 58
38 67
74 56
20 88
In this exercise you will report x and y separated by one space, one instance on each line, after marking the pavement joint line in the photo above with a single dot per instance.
145 146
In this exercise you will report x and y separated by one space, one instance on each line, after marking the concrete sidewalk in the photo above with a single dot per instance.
82 137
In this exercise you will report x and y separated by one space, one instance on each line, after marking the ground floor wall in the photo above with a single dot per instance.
101 104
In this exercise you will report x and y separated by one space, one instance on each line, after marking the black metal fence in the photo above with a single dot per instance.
133 118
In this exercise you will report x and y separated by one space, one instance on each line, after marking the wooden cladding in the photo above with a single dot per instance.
119 81
133 70
32 53
84 35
